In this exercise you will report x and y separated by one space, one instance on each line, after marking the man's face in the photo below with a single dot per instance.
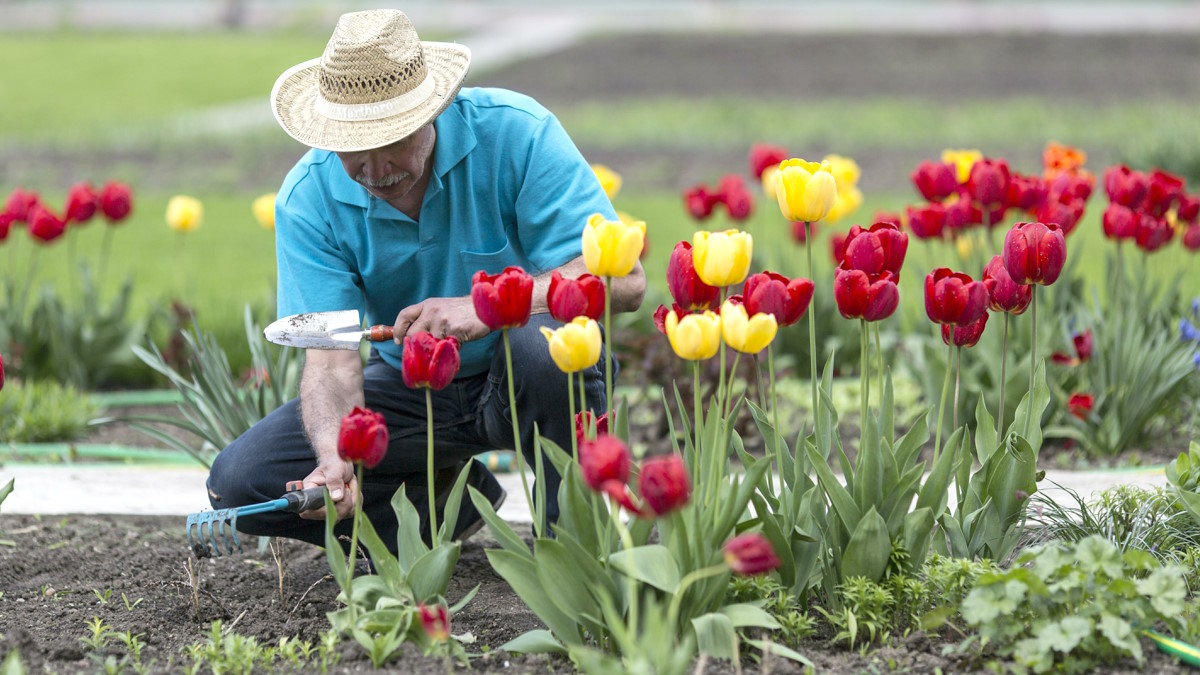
390 172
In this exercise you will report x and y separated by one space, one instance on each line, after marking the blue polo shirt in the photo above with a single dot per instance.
508 188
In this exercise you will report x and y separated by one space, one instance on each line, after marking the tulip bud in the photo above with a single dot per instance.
694 337
44 226
959 214
184 213
6 221
428 361
502 300
935 180
988 181
602 460
1004 294
962 160
890 218
1191 238
722 258
1080 405
611 247
1188 211
576 345
739 203
610 181
1026 193
1083 345
926 222
1070 187
116 201
954 298
1163 190
750 554
1153 232
861 296
585 420
764 156
1034 253
81 203
569 298
1058 159
1120 222
845 171
847 202
1065 214
435 621
801 232
699 202
806 191
664 484
744 333
772 293
837 248
20 203
1126 186
264 210
880 249
965 336
1 371
363 437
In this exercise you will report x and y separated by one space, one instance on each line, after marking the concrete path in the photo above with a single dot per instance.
97 488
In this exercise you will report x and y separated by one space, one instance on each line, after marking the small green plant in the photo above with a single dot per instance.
101 634
1074 606
795 623
36 411
103 597
130 604
12 664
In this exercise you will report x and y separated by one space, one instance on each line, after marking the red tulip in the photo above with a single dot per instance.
569 298
995 214
800 234
988 182
739 203
81 203
1004 294
685 285
1026 193
699 202
960 215
1152 233
1120 222
730 182
363 437
502 300
604 459
837 248
965 336
1080 405
860 296
750 554
428 361
45 226
1083 345
1126 186
1034 253
6 221
1191 238
619 493
880 249
1 371
664 484
926 222
772 293
954 298
1164 189
584 419
1189 209
1064 214
660 316
116 201
436 622
764 156
935 180
888 217
20 203
1067 187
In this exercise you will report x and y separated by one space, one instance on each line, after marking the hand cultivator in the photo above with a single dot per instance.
210 531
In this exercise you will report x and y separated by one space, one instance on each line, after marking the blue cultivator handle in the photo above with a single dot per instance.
210 531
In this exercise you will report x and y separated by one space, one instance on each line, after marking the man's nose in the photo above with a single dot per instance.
375 165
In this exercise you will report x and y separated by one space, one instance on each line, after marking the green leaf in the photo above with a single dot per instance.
1041 399
1120 635
409 545
538 641
430 574
557 572
715 635
520 572
334 553
734 508
453 503
779 650
918 528
5 491
843 504
934 493
867 553
652 564
743 615
502 531
1096 554
385 564
908 447
985 440
1062 636
1166 590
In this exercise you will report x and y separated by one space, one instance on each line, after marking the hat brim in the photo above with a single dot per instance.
294 103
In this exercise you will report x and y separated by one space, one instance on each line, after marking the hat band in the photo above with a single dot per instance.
361 112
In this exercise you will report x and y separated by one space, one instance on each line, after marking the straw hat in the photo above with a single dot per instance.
375 84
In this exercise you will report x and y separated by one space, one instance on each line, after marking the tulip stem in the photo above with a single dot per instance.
879 353
1032 357
775 418
812 324
937 437
1003 381
697 421
689 579
512 405
1117 291
583 401
627 543
762 396
433 531
864 378
353 558
957 379
104 244
608 384
571 407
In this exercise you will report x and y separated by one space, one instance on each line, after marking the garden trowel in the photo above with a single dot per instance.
325 330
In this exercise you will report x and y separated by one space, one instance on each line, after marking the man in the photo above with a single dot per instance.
411 187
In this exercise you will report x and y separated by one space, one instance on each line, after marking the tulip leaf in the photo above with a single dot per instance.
520 571
868 478
621 410
568 586
918 528
453 504
652 564
934 493
409 545
1041 399
1011 481
908 448
430 574
956 541
985 440
588 567
560 459
843 504
899 498
779 543
575 512
671 433
737 506
868 550
385 564
825 415
502 531
715 635
334 552
744 615
7 490
773 440
538 641
887 407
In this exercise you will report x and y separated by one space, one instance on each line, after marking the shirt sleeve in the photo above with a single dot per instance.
314 275
557 196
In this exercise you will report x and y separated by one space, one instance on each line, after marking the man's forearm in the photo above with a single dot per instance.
625 293
330 387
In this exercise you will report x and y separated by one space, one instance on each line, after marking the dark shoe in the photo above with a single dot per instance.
469 519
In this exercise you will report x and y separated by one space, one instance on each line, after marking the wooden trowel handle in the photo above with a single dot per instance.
380 333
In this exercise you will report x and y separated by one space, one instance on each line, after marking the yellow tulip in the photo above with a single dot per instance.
768 180
576 345
264 210
609 180
847 202
962 160
722 258
965 245
845 171
747 334
184 213
805 190
695 337
610 247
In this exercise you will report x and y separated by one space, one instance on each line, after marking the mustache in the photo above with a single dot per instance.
385 182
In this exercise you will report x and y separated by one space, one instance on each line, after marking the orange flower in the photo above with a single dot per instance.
1058 159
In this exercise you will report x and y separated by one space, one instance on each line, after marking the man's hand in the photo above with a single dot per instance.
338 477
441 317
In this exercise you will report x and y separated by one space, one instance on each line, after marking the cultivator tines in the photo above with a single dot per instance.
213 531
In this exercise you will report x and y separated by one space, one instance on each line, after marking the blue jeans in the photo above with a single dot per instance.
470 416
